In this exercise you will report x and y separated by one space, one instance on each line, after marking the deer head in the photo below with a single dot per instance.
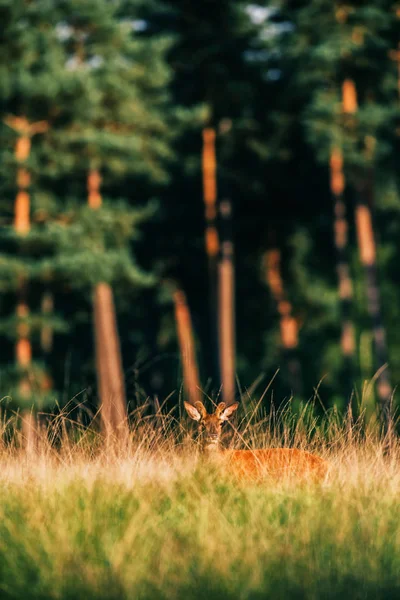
211 424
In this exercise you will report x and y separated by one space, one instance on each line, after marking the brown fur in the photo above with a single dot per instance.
276 463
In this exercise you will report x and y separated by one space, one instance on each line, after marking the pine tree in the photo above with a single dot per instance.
120 117
346 44
107 111
31 68
209 59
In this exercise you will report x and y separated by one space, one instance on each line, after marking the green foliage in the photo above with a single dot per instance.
92 246
331 42
103 92
126 88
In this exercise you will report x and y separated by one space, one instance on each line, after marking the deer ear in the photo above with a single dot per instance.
193 412
227 412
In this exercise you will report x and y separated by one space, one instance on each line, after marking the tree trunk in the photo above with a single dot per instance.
187 347
367 251
395 55
289 329
209 167
226 312
23 348
110 376
29 432
347 339
22 224
46 334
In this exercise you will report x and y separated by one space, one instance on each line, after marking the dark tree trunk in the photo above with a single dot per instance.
46 334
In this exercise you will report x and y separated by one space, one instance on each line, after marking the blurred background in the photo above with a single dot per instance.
197 194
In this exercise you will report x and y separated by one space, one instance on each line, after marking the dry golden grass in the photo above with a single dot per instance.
83 519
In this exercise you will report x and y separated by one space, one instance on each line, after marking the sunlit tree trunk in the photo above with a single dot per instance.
23 349
209 168
289 329
347 339
226 301
110 376
22 224
187 349
367 252
109 363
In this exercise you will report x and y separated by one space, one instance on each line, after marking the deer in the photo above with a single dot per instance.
253 464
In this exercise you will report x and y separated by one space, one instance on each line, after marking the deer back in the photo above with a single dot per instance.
276 463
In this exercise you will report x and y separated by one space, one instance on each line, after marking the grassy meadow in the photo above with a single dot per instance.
153 520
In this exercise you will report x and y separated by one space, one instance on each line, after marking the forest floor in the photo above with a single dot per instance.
78 520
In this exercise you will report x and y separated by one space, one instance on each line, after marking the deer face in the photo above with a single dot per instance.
211 424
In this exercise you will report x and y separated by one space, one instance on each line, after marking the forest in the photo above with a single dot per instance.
199 299
199 198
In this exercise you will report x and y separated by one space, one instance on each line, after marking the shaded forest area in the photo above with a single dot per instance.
198 191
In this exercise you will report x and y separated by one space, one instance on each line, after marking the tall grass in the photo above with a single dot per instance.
83 519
